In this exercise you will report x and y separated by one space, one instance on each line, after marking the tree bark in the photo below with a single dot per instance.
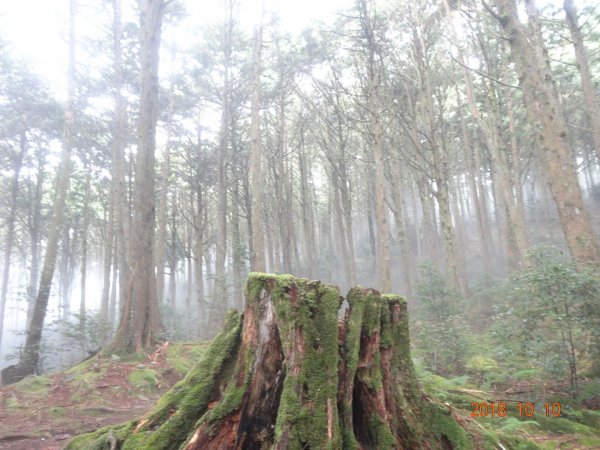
35 231
140 317
592 108
220 296
84 241
165 172
257 261
118 182
287 374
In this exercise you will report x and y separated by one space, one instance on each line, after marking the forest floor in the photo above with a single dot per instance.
44 412
524 423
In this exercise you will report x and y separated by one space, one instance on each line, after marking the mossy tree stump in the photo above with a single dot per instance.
288 374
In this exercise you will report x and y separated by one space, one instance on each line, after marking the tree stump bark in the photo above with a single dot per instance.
290 374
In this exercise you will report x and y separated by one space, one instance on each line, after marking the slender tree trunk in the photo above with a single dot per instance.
220 298
109 241
173 258
544 109
308 226
592 108
399 210
442 195
84 241
482 226
257 262
340 235
35 232
237 252
112 305
162 205
281 189
64 278
198 255
291 222
29 360
119 185
346 196
10 232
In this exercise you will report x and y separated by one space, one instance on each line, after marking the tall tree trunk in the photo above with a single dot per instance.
84 241
590 94
237 251
198 255
374 98
28 362
308 226
165 171
173 256
220 296
112 305
544 109
340 235
257 255
399 210
140 319
281 186
35 232
118 182
10 232
65 278
345 194
109 241
476 194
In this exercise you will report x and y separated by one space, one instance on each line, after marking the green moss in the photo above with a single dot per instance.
585 417
142 378
356 300
34 385
388 337
590 442
519 443
489 441
182 356
441 423
561 425
174 416
11 402
233 396
372 315
57 412
83 366
380 435
356 303
99 439
311 309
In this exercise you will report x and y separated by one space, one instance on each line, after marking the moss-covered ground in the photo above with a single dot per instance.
43 411
574 428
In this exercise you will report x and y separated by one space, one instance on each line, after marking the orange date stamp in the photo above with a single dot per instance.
523 409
